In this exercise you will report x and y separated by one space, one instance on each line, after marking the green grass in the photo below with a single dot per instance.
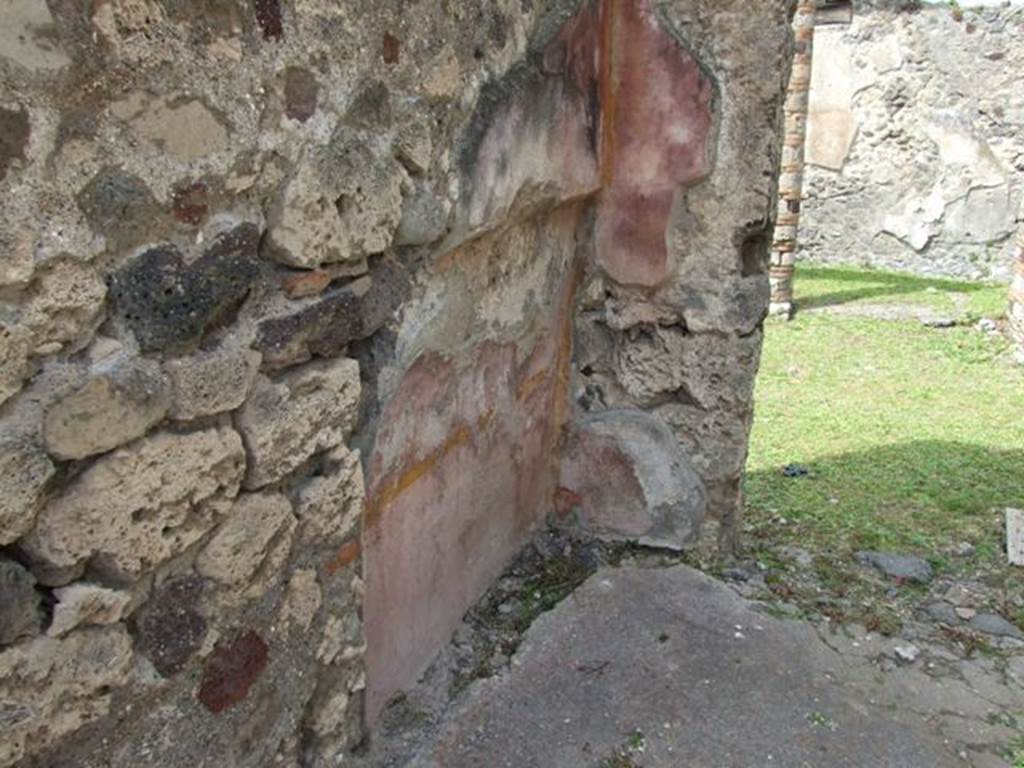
914 437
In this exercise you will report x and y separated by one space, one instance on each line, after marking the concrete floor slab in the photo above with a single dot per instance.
668 667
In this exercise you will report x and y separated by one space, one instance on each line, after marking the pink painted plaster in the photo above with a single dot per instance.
658 127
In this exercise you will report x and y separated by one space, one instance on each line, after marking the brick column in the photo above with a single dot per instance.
791 181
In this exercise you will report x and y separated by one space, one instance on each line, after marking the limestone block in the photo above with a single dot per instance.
142 504
20 613
27 36
338 208
304 412
330 504
414 147
15 347
623 476
80 604
241 543
424 218
25 470
302 600
67 304
705 369
121 401
211 382
53 686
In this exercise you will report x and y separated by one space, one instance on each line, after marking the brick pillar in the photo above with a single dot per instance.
791 181
1017 292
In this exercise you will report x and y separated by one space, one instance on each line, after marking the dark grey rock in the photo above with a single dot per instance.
169 629
119 206
14 134
324 326
942 612
169 302
902 567
20 614
994 624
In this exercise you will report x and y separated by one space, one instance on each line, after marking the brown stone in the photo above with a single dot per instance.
190 203
268 16
231 671
301 91
391 49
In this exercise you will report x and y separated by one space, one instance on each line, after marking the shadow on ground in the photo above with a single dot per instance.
873 285
911 494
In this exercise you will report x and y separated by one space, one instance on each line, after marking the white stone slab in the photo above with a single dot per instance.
1015 535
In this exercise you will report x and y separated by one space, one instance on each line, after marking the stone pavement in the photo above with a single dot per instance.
658 667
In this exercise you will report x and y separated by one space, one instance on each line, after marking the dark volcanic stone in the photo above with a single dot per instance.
14 133
20 616
268 16
231 671
168 302
335 319
169 629
301 92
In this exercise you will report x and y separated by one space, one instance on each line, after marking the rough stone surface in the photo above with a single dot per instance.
239 545
901 567
27 37
624 476
21 616
140 505
168 301
85 604
25 470
304 412
330 503
51 687
993 624
912 166
231 671
411 215
768 691
211 382
123 398
338 207
326 325
170 629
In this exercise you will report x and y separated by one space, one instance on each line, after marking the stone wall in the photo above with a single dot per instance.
916 140
498 258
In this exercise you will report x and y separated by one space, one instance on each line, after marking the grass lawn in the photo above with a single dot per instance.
913 436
